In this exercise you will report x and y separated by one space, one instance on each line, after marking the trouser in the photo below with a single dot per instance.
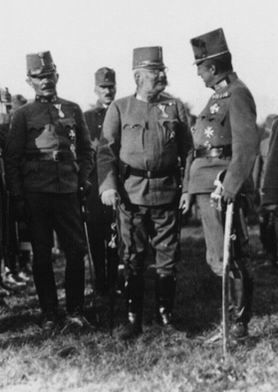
141 224
100 221
59 212
240 272
269 233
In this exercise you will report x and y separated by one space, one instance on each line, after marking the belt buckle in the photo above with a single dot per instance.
55 155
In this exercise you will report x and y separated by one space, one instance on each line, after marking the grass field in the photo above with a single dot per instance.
158 361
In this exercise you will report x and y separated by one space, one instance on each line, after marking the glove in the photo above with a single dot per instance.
110 198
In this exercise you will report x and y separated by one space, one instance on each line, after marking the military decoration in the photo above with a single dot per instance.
162 108
209 132
214 108
58 106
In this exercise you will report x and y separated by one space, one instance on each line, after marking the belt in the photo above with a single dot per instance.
214 152
55 155
150 173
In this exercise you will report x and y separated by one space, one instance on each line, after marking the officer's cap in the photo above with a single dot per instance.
148 57
39 64
105 77
209 45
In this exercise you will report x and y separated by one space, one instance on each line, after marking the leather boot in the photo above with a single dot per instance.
134 292
165 294
242 290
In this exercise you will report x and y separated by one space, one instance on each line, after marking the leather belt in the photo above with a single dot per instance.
55 155
214 152
126 171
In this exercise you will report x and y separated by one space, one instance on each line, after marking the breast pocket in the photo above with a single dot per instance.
133 137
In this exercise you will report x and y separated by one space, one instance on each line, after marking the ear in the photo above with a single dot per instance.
213 69
57 77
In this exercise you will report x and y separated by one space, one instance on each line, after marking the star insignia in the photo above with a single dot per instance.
214 108
209 132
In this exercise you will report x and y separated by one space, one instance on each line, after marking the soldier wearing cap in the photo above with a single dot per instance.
100 217
145 138
48 159
225 140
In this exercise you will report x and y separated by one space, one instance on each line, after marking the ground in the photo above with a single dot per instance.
179 361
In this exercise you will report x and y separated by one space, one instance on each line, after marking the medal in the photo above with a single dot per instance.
58 106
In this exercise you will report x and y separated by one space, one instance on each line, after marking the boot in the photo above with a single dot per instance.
165 294
242 290
134 293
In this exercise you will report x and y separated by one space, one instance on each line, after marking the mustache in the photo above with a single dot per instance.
48 85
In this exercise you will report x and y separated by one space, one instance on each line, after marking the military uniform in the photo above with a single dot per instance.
48 156
225 138
100 217
142 145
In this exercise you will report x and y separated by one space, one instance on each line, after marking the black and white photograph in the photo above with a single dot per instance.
138 196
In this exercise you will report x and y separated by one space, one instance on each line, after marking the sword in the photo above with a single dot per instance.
225 277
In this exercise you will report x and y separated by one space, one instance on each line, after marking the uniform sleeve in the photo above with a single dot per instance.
245 140
108 150
185 144
270 182
14 152
84 149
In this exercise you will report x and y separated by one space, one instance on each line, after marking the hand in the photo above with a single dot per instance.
185 202
228 197
110 198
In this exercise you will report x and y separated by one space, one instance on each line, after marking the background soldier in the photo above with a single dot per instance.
267 221
225 138
100 217
144 137
48 157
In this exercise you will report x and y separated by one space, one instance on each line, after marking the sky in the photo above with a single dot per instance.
84 35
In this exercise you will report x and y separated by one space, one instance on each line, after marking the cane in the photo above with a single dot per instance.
225 277
89 254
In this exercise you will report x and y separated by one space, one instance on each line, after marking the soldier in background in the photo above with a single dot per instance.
225 140
269 194
145 138
100 217
267 222
48 159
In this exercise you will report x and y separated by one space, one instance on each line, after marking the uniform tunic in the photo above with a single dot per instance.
152 137
48 155
229 119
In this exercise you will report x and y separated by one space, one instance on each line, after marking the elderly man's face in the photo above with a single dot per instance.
152 81
44 85
106 94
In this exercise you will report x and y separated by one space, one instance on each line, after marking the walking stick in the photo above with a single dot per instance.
90 257
225 276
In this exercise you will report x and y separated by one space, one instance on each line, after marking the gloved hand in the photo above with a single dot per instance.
110 198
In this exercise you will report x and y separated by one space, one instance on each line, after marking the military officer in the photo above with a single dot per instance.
145 138
100 218
225 139
48 158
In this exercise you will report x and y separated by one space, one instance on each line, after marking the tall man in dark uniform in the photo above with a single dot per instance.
100 217
48 158
225 139
145 138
